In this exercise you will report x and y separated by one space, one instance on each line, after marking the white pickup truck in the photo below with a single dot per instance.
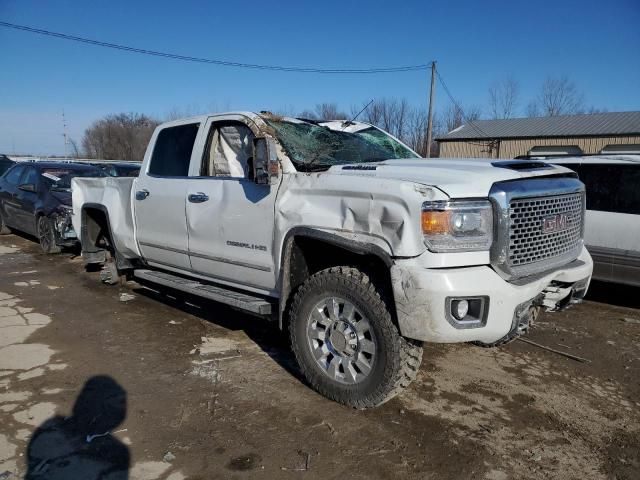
338 231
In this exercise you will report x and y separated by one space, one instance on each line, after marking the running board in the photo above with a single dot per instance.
235 299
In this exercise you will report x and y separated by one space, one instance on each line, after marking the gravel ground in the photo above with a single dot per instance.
97 384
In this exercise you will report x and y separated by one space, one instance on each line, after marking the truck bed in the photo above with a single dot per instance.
113 195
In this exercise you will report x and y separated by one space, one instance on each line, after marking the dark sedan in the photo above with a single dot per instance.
35 198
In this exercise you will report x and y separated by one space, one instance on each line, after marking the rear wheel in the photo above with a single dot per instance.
47 236
345 341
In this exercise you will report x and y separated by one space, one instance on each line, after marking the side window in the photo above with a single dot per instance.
229 148
13 175
612 188
31 177
172 152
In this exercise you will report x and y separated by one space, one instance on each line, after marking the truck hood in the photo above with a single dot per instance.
458 178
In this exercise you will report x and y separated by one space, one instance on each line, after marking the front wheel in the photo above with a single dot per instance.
345 342
47 236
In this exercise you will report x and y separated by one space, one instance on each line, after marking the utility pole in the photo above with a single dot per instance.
431 98
64 134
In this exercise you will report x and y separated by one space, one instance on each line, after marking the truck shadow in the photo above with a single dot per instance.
614 294
265 334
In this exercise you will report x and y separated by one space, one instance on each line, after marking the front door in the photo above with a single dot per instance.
230 218
160 197
27 200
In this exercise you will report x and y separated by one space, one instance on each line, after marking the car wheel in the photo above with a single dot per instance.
47 236
345 342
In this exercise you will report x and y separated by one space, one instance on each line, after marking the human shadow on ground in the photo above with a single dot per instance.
81 446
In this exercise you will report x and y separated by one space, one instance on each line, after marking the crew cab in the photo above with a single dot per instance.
357 247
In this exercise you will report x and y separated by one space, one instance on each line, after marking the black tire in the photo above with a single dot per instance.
4 230
47 236
397 359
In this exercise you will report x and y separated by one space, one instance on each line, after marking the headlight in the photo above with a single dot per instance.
457 225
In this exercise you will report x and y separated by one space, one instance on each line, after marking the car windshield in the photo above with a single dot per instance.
59 179
314 146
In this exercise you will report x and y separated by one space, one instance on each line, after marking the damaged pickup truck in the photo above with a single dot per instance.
339 232
35 198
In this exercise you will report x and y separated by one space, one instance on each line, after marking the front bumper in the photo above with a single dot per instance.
63 227
421 295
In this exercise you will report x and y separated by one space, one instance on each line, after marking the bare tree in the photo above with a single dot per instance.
119 137
558 96
455 116
389 114
325 111
416 131
504 97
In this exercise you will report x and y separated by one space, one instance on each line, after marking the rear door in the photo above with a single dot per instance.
230 217
160 197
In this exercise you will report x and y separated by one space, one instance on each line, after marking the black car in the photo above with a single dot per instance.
5 163
35 198
119 169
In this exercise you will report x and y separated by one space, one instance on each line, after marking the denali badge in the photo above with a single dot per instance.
555 223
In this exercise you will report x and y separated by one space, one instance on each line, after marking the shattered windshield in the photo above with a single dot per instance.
316 147
59 179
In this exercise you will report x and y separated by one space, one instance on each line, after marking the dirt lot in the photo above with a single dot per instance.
213 393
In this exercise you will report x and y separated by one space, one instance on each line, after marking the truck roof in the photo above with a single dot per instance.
353 126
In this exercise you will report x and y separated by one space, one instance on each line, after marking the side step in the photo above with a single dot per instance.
242 301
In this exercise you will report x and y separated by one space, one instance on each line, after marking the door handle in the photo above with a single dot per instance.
142 194
198 197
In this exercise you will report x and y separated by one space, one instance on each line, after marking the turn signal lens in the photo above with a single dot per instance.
435 223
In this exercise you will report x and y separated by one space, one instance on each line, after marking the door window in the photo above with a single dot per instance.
13 175
172 152
31 177
611 188
228 151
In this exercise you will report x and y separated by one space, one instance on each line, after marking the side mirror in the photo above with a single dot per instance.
265 161
27 187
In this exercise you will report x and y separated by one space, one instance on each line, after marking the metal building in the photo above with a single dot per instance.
614 132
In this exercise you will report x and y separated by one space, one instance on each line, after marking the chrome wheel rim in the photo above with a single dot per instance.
44 233
341 340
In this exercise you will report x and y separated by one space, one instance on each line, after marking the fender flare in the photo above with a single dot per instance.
331 238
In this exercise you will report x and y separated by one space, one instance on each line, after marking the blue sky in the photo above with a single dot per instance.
595 43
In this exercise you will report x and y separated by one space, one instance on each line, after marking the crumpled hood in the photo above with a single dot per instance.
457 177
63 197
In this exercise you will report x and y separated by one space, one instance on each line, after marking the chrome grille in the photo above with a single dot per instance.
544 228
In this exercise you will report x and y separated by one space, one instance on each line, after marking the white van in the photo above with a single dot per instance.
612 226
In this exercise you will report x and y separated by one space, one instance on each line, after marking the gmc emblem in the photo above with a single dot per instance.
555 223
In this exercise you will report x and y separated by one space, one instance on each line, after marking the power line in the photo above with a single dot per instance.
224 63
